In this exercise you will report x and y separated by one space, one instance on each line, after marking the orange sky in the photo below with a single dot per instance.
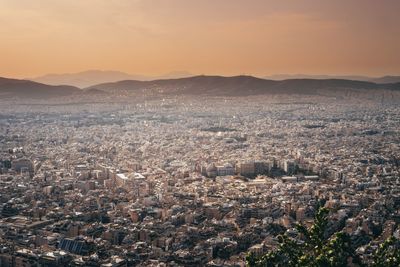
226 37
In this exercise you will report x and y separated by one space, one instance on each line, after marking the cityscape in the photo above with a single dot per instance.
178 182
183 133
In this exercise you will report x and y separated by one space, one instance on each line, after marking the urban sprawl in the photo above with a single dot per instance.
191 181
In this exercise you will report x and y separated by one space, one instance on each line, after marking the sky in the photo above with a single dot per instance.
224 37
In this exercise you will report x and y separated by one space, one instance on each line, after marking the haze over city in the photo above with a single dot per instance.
199 133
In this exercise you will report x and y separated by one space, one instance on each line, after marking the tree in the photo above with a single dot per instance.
387 254
313 247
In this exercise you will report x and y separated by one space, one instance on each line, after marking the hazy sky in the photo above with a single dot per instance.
225 37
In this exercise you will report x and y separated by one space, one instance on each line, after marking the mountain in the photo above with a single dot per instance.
242 86
212 85
319 77
208 86
85 78
29 89
381 80
386 79
92 77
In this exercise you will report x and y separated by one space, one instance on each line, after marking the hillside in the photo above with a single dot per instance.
207 86
24 88
92 77
380 80
387 79
85 78
243 86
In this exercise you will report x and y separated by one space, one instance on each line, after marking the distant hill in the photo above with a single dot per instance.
380 80
208 86
29 89
85 78
241 86
387 79
281 77
91 77
218 85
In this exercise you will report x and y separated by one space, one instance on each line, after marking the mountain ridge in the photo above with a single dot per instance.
380 80
241 85
88 78
26 88
203 85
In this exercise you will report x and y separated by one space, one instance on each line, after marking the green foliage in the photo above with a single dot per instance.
314 249
387 254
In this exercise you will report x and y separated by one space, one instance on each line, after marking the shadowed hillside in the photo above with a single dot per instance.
29 89
209 86
242 86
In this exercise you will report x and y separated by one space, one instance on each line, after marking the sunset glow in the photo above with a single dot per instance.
224 37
